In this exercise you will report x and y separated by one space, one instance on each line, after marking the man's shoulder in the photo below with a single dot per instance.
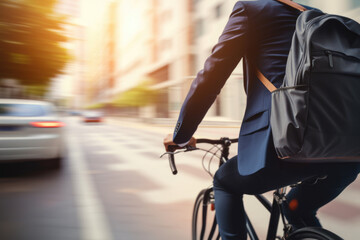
257 6
257 3
264 3
264 8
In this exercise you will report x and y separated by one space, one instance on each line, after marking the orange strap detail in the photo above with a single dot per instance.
260 76
293 4
265 81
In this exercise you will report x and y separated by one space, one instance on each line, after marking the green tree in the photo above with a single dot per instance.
31 41
139 96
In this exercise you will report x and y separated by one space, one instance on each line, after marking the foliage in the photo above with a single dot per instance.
139 96
95 106
31 41
35 90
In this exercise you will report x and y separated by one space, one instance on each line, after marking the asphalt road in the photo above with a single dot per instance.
113 185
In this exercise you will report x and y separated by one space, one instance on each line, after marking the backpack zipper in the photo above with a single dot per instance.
330 56
307 29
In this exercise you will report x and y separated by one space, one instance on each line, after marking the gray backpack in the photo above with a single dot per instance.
315 114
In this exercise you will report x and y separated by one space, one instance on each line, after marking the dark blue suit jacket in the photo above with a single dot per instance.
260 33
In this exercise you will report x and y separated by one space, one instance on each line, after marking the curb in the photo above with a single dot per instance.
165 122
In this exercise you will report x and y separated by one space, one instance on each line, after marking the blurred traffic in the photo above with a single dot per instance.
29 130
88 90
92 116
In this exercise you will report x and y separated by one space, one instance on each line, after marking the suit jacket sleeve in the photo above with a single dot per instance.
225 56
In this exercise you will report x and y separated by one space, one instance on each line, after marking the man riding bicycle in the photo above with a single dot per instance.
259 33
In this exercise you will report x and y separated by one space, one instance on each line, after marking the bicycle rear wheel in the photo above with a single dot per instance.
313 233
204 225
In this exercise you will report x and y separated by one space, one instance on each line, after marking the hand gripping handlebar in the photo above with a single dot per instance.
171 149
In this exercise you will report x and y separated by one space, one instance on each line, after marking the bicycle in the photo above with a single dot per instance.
206 200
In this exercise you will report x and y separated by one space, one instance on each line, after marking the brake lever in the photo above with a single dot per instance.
190 148
171 157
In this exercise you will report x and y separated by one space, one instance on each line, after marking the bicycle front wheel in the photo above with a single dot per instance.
313 233
204 225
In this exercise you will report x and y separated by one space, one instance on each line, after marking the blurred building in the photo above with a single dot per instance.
96 20
210 18
163 42
69 85
172 53
10 88
166 42
101 43
349 8
134 47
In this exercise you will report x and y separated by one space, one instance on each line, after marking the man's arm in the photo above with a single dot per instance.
219 65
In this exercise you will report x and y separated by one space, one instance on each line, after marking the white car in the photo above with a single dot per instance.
92 116
29 130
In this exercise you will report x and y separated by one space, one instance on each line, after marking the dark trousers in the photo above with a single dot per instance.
305 200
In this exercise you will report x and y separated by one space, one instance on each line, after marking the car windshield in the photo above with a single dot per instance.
23 110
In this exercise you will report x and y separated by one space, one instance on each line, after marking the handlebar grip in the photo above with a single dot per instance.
172 164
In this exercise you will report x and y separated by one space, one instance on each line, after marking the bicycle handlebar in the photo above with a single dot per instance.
223 140
172 164
172 148
172 160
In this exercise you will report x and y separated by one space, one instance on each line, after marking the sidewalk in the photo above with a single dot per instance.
171 122
209 128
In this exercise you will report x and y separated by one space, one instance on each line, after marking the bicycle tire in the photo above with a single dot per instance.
198 232
197 204
313 233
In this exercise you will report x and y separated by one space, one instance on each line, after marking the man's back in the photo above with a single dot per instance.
260 33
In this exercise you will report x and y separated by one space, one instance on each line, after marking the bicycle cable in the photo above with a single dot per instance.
214 154
210 151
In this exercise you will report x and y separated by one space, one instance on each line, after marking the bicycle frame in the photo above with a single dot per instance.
206 197
223 158
275 213
274 208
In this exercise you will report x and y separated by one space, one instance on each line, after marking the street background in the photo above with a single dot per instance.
131 62
113 185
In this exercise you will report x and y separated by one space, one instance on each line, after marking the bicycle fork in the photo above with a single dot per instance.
208 199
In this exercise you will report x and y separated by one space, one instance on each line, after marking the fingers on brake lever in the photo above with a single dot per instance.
190 148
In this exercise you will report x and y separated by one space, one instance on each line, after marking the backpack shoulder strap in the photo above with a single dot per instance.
293 5
261 76
265 81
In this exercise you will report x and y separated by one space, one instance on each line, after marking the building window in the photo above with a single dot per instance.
165 44
193 5
166 16
218 10
195 2
199 28
218 106
355 3
193 64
